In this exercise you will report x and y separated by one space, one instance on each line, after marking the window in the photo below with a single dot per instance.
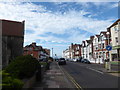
96 48
116 38
103 45
30 48
115 28
118 22
96 55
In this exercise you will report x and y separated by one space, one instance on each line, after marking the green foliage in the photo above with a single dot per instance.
22 67
50 58
43 63
10 83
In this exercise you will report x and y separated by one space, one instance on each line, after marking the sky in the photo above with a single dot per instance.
58 24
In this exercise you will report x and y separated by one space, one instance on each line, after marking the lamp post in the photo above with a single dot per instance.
102 47
109 63
52 52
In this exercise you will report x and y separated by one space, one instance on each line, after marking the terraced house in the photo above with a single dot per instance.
114 30
103 42
36 51
95 50
74 51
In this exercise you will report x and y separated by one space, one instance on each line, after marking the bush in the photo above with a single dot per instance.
23 67
43 63
50 58
10 83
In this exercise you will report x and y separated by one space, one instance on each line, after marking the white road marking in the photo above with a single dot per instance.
95 70
90 68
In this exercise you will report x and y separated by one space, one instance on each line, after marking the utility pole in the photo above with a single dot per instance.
109 50
56 56
52 52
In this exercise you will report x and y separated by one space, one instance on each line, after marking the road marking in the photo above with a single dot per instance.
95 70
71 79
80 64
90 68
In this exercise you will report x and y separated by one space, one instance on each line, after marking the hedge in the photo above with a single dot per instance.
10 83
23 67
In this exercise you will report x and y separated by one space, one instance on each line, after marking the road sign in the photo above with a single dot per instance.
109 48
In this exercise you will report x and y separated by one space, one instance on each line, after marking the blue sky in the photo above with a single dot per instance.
58 24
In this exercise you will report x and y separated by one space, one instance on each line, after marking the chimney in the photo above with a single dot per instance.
34 44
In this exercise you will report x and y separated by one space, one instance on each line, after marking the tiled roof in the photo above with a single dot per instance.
97 35
114 23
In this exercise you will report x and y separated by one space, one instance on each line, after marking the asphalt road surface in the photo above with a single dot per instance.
90 78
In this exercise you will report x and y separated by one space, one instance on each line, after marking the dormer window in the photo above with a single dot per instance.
115 28
118 22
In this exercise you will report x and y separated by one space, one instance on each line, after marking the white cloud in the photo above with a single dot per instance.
114 5
43 21
99 4
40 20
59 0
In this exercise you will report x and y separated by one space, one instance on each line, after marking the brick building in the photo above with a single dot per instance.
74 51
47 51
103 42
95 50
12 40
76 48
66 54
83 49
91 55
36 51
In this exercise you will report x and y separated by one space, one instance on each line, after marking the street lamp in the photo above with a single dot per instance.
102 47
109 64
108 40
52 52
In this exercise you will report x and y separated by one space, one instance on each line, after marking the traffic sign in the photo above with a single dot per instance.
109 48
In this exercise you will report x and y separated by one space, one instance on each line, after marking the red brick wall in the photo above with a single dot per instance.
12 28
74 47
35 53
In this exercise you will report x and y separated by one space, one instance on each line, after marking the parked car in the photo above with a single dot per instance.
61 61
67 59
70 60
85 61
79 59
57 59
75 60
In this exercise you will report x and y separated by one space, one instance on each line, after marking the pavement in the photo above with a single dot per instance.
101 67
54 78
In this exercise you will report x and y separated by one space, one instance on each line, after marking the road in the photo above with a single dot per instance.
90 78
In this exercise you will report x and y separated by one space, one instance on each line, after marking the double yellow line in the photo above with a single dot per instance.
72 80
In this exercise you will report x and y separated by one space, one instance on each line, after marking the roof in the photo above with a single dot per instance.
97 35
10 20
37 48
115 23
88 41
104 32
91 37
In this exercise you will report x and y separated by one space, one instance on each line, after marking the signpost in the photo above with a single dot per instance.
108 65
109 47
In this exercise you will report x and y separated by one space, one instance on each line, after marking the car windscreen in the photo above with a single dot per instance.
62 59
